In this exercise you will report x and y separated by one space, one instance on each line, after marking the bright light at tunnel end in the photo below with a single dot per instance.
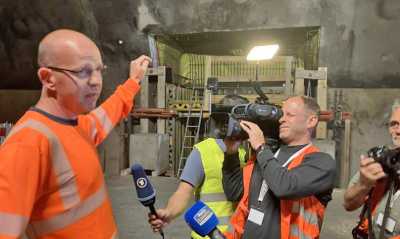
259 53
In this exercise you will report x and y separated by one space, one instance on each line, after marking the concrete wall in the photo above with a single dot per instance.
352 46
359 43
14 103
370 110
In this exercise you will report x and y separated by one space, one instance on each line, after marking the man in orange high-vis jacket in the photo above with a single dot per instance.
372 179
282 195
51 182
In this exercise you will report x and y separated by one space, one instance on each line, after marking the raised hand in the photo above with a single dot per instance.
138 67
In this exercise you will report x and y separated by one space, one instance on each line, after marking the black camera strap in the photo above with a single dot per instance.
371 234
367 211
387 208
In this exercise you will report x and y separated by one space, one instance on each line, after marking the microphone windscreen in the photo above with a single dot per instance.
144 190
201 219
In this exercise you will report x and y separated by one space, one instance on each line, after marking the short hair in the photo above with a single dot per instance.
395 105
312 105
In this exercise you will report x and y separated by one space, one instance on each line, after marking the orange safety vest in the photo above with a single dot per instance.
378 192
299 217
51 181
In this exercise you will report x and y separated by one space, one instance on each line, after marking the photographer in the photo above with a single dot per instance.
370 187
282 195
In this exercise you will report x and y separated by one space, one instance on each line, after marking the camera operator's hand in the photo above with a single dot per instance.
370 172
256 136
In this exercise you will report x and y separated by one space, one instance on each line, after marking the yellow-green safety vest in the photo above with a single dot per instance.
211 192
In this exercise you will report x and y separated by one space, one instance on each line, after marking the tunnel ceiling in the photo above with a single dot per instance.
290 40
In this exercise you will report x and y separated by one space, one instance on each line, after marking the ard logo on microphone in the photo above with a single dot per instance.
141 182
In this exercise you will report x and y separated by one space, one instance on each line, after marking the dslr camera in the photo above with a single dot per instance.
266 116
388 158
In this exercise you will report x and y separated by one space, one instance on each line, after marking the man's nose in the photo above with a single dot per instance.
95 78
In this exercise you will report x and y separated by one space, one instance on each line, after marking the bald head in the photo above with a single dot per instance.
63 47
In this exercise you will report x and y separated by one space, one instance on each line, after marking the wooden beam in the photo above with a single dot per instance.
310 74
322 99
207 93
288 77
299 84
161 97
345 159
144 103
280 78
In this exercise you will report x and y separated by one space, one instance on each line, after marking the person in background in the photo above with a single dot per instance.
371 182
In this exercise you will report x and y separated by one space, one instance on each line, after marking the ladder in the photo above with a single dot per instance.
192 130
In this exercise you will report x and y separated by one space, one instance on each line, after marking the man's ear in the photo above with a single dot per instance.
312 121
46 78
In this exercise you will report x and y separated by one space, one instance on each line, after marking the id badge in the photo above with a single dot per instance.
256 216
390 223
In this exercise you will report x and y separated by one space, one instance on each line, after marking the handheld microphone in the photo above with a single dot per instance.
144 190
203 221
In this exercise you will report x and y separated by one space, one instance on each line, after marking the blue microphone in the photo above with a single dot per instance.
144 190
203 221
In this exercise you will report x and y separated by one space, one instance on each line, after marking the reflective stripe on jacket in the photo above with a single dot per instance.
211 191
300 218
51 181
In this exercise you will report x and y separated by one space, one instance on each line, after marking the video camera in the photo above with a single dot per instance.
265 115
388 158
262 113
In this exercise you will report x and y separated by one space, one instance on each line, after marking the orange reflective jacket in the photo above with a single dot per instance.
51 181
300 218
377 194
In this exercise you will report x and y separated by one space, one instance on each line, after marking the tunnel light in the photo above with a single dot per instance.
259 53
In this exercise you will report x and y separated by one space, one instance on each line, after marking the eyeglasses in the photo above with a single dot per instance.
83 74
393 124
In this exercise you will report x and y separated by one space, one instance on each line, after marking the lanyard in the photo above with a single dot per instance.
264 185
394 198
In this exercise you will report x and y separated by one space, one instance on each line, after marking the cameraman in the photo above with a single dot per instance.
282 195
372 177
